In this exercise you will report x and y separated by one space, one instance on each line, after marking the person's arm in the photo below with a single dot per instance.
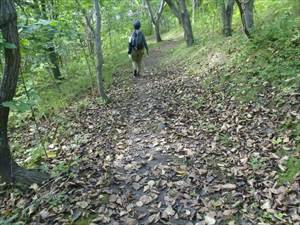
145 44
129 47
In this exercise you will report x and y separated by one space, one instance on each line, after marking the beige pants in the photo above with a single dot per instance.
137 57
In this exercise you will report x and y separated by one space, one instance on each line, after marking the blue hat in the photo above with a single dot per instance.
137 25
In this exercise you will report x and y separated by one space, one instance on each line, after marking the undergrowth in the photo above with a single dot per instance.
263 70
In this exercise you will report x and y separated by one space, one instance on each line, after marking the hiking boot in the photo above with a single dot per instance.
135 73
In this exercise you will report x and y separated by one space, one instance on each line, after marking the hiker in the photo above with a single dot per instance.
137 44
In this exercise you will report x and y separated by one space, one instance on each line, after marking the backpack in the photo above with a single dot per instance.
137 40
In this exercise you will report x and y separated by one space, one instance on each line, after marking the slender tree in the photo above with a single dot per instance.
156 19
9 169
89 28
174 9
186 23
227 12
246 10
41 10
196 5
99 53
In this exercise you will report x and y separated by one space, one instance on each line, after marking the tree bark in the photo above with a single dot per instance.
53 56
175 10
99 53
156 19
9 170
54 59
157 32
186 23
89 29
90 32
8 27
196 5
246 9
227 13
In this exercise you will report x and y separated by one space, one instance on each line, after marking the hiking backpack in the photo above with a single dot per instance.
137 41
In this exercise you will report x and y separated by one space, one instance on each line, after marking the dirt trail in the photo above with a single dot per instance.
146 171
163 169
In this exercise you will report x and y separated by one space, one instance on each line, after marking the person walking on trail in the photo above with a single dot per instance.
136 48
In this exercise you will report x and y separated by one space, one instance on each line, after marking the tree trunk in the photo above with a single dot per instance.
196 5
246 9
157 32
186 23
9 31
90 32
55 62
175 10
99 54
156 19
9 170
89 29
227 12
53 56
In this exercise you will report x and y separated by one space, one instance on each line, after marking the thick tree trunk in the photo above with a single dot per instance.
175 10
5 156
156 19
227 13
9 170
186 23
99 54
9 30
246 9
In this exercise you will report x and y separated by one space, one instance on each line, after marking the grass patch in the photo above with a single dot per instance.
293 169
226 140
85 220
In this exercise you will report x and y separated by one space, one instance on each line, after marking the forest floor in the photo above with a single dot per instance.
163 152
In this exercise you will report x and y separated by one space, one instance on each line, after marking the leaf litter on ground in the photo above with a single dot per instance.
152 157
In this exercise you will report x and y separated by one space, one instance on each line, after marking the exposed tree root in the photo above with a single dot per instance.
24 177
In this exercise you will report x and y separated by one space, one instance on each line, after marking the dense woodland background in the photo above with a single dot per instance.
253 61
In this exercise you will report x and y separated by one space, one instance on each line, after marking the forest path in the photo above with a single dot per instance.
164 167
150 160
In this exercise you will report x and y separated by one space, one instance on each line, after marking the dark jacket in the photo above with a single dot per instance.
130 44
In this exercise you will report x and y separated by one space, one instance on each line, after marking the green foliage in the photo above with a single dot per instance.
62 167
256 163
34 155
25 101
11 220
226 140
4 44
17 106
198 103
293 169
